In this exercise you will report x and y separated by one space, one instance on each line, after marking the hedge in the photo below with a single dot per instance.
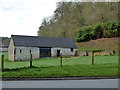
100 30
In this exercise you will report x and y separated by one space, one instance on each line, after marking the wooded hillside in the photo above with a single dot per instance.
70 16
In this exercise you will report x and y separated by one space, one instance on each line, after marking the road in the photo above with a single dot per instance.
99 83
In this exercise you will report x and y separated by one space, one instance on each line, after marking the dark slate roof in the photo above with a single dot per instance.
38 41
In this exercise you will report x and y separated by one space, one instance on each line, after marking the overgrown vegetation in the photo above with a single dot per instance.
103 30
69 16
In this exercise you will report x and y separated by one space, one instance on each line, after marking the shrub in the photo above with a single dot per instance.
100 30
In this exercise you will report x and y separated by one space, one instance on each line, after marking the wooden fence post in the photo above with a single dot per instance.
92 57
61 59
30 60
2 63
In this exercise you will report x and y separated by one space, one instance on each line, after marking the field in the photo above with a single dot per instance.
50 67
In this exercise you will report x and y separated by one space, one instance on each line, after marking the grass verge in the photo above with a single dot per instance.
64 71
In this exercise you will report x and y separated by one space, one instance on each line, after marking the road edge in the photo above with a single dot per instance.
58 78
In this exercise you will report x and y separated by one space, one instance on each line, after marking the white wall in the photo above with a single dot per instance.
63 51
25 53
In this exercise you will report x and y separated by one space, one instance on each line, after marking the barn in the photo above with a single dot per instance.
22 46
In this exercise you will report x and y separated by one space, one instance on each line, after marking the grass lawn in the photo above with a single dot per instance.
50 67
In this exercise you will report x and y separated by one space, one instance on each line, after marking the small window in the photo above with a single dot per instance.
20 51
71 49
30 51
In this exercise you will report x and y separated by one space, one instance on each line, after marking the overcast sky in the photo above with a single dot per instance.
23 17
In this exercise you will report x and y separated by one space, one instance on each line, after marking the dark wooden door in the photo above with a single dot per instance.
45 52
58 53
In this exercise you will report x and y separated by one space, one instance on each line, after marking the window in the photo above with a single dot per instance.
71 49
20 51
30 51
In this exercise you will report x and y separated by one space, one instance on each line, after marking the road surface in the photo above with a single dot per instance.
99 83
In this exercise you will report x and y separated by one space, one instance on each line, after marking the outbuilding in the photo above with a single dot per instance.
21 47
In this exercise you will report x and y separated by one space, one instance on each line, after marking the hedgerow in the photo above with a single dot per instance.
100 30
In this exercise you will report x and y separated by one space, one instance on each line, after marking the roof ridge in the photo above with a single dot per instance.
23 35
38 36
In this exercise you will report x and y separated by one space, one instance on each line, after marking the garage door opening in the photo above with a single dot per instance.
45 52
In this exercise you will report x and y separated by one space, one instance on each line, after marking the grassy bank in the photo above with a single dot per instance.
99 44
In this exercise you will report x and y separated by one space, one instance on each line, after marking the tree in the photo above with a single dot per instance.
69 16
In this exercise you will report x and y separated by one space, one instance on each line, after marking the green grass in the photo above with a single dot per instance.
45 62
5 55
50 67
65 71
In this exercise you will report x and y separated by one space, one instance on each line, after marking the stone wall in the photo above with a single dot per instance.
63 51
11 50
23 53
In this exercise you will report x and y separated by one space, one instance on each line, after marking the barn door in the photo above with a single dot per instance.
45 52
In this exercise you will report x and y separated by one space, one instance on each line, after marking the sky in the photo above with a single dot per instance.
23 17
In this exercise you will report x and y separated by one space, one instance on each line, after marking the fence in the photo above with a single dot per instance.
59 61
31 65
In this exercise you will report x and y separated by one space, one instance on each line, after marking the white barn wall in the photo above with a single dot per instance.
25 54
63 51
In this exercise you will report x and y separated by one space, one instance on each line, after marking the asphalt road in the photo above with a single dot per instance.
99 83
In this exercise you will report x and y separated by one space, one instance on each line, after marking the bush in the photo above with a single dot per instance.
106 30
83 34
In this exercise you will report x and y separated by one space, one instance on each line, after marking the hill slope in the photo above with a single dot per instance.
99 44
